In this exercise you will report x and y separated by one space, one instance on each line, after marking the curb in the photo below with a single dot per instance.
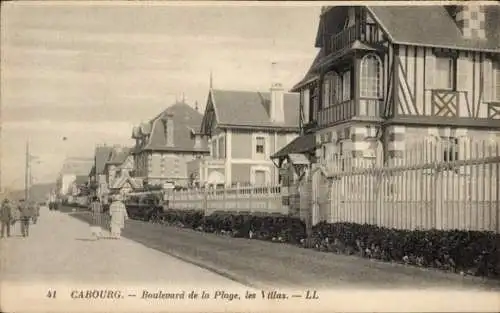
205 265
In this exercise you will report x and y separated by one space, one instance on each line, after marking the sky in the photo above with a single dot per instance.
90 71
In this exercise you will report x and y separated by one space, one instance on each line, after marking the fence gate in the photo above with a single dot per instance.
304 186
321 204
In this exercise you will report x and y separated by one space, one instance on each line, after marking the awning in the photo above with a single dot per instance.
298 159
301 144
298 148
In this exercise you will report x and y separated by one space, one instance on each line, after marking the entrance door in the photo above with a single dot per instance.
260 178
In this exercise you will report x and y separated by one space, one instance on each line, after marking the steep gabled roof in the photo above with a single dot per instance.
102 155
76 166
433 26
118 155
251 108
311 74
185 119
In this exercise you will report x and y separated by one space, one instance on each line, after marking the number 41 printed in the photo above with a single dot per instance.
51 294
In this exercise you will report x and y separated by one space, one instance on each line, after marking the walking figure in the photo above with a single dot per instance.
96 221
6 217
25 217
119 215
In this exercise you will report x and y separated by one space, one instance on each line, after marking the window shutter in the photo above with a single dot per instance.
430 69
464 74
488 83
326 92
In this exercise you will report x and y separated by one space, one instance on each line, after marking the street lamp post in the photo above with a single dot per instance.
27 172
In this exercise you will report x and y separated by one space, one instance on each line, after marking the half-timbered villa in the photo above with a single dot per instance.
165 144
244 129
388 76
120 161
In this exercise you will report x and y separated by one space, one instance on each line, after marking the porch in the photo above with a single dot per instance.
207 170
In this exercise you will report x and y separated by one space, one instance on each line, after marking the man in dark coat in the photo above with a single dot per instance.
25 217
6 217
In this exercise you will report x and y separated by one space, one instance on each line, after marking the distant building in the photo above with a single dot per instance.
120 161
165 144
72 168
244 128
97 175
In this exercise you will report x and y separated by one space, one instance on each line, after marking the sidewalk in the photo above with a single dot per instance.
60 248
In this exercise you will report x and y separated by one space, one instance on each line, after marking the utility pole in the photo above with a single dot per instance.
26 172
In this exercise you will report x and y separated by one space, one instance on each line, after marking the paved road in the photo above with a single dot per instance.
263 264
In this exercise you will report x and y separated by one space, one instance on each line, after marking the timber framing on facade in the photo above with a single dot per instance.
395 74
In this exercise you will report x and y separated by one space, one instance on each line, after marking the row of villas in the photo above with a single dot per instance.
230 144
383 77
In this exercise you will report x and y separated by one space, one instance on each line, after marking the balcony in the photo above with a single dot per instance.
336 113
365 33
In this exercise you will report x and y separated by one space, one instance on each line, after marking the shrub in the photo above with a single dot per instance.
471 252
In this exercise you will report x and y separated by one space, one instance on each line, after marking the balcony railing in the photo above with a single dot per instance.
364 32
336 113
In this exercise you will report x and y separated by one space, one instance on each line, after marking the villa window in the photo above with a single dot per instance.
331 89
222 147
450 149
214 148
371 80
445 72
346 86
336 88
260 145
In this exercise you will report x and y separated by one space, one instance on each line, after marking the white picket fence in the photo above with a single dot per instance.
419 190
266 199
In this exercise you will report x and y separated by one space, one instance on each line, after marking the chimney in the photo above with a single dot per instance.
470 19
170 130
277 107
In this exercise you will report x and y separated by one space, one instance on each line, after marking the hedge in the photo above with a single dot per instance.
469 252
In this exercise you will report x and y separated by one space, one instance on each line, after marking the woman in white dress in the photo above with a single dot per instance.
119 215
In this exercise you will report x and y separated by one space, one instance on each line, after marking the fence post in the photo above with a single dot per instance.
268 200
497 187
250 199
224 198
205 200
236 199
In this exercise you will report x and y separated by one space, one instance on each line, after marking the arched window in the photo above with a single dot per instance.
371 77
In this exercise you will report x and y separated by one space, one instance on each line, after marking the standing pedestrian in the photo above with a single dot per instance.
52 200
96 220
25 217
35 211
6 217
119 215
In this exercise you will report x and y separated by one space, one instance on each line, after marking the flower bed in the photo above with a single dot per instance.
468 252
